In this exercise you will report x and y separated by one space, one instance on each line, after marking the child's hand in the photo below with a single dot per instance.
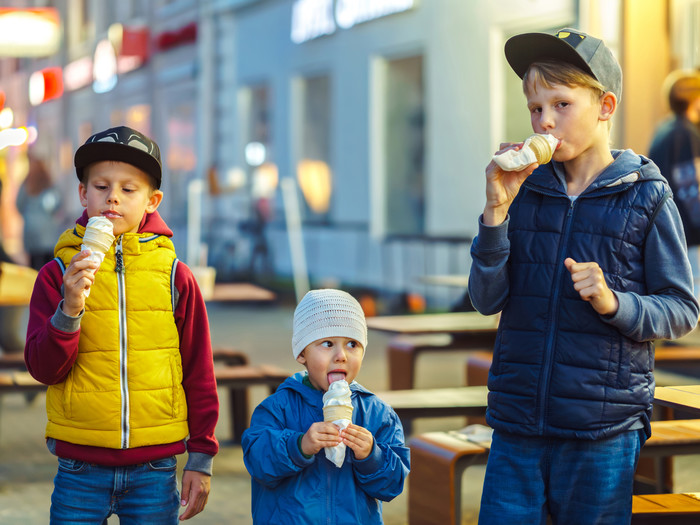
359 439
79 276
320 435
502 187
589 282
195 492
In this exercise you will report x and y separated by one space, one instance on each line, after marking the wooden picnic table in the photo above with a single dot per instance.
437 402
685 398
451 280
454 323
241 292
417 333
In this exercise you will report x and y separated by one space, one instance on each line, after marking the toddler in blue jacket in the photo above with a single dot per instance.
293 481
586 259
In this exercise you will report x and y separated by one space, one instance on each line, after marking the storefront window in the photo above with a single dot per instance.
404 144
314 173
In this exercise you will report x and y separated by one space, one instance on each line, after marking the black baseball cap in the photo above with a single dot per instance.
122 144
584 51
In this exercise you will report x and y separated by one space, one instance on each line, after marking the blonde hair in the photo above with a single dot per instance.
550 73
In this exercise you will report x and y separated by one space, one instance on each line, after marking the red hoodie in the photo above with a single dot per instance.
50 353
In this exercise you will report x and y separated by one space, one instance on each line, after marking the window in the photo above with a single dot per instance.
404 146
314 173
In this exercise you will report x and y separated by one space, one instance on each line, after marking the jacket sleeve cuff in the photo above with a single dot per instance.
295 453
200 462
627 312
64 322
493 238
371 463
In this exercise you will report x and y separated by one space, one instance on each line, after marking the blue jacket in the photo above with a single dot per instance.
288 488
561 369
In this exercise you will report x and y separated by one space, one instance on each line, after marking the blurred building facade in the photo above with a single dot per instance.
383 114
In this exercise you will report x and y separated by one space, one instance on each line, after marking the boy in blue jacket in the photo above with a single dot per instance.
586 259
283 450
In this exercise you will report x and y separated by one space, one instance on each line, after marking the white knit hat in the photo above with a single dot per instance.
327 313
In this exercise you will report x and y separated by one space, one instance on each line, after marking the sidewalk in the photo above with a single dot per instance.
264 332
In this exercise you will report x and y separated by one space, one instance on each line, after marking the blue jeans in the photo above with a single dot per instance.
576 482
143 494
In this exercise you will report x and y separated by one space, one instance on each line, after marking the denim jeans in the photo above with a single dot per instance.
143 494
576 482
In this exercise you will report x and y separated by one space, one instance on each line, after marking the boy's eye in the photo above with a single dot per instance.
327 344
352 344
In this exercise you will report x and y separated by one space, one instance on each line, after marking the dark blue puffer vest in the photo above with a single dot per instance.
558 369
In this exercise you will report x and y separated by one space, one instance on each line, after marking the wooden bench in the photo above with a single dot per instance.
468 401
12 362
668 438
666 509
403 351
237 379
438 460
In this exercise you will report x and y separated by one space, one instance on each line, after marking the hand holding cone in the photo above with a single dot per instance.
537 148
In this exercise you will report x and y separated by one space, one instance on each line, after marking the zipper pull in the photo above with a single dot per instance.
119 268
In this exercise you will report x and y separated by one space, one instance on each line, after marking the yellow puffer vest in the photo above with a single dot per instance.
125 388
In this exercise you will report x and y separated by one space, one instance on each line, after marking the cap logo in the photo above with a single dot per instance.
572 39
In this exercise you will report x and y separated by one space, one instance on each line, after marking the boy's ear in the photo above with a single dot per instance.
301 358
154 201
82 194
608 105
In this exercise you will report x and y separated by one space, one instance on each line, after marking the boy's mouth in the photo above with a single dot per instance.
336 375
110 214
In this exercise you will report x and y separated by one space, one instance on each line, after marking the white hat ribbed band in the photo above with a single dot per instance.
327 313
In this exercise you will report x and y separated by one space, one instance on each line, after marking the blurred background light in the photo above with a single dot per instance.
7 116
314 178
45 85
13 137
255 153
29 32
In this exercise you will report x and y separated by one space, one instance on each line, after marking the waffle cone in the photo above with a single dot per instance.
335 412
542 149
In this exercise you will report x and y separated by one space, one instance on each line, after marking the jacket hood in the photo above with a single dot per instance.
151 223
627 168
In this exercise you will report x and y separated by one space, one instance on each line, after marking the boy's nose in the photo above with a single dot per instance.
340 355
546 120
112 196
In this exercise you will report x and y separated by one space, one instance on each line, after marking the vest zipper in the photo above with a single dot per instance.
543 393
123 376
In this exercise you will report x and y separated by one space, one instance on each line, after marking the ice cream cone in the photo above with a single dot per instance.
98 241
336 412
542 148
98 237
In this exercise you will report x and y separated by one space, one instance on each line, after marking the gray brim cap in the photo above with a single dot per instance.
586 52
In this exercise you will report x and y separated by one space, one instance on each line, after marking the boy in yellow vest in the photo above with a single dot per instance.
124 346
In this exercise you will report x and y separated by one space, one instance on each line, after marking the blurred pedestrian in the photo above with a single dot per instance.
40 203
675 149
10 315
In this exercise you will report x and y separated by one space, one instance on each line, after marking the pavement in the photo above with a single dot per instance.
264 332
